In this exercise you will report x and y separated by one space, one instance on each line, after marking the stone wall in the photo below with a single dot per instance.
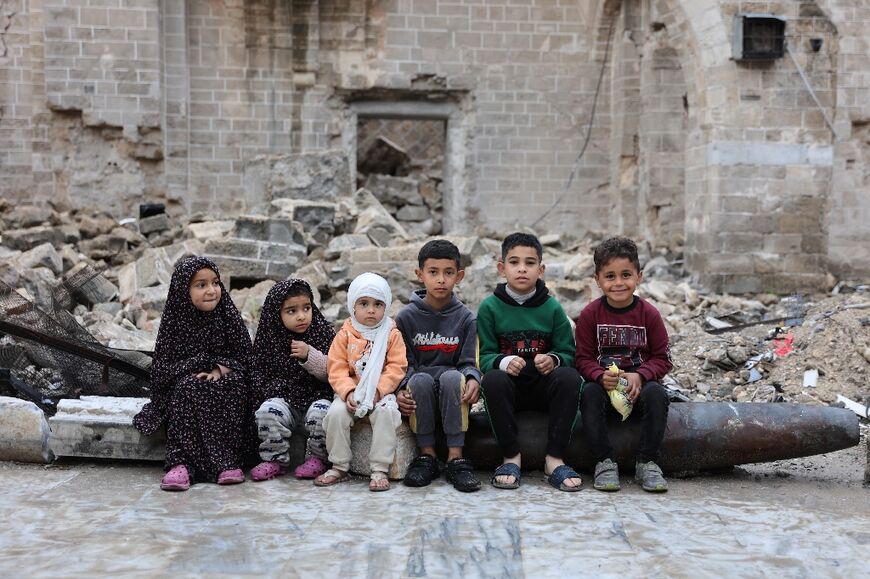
109 102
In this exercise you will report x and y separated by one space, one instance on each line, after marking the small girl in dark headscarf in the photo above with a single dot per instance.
290 379
198 383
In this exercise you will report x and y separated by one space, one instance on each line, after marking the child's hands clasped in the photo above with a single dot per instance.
299 350
544 363
515 366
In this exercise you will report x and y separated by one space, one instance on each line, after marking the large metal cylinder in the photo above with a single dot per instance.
699 436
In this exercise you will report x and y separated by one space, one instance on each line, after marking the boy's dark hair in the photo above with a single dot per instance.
521 240
438 249
614 248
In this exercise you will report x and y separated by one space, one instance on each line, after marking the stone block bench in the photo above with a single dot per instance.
102 427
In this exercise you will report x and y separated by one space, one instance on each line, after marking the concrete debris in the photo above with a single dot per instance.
302 218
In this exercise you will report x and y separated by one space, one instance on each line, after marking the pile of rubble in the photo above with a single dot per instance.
822 341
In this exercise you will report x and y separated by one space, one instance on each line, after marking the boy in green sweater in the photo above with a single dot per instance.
526 354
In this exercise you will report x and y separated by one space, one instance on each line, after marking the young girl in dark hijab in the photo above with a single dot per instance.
198 380
290 379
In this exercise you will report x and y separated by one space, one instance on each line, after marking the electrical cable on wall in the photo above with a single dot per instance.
576 166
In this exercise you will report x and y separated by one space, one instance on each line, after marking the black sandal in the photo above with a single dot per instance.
507 469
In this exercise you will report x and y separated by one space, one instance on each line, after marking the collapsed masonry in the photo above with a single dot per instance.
312 224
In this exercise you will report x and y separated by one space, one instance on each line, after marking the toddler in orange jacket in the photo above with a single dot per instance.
365 365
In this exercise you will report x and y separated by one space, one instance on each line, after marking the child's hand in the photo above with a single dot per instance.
299 350
516 366
544 363
610 379
210 376
406 403
350 403
224 370
472 392
635 383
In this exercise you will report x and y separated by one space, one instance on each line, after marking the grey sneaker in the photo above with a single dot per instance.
606 476
649 475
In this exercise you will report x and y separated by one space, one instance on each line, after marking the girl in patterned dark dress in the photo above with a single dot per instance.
290 379
198 380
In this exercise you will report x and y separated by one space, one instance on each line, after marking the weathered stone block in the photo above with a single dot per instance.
361 442
154 224
274 229
44 255
246 248
241 267
396 191
24 432
346 242
24 239
318 176
413 213
211 229
102 426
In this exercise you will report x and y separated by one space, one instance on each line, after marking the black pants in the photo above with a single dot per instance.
557 393
651 406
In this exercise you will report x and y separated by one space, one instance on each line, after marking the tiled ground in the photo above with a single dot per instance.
78 519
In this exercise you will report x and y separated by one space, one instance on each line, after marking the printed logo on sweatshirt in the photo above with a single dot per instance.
432 341
524 344
621 344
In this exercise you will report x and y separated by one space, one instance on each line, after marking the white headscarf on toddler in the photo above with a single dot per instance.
370 285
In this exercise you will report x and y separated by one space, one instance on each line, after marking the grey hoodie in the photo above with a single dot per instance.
439 340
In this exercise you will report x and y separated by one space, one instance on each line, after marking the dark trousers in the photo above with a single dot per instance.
651 407
557 393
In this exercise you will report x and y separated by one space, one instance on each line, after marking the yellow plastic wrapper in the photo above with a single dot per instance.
618 397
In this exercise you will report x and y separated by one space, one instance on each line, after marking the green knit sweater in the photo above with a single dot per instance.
507 328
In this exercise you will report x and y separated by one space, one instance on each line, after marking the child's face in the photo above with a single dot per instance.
296 313
439 276
205 290
369 311
618 278
521 268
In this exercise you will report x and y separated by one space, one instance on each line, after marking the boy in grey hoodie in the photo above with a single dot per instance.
443 380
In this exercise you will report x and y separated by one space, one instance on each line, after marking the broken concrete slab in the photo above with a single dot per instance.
24 432
154 267
102 427
30 237
375 221
318 176
273 229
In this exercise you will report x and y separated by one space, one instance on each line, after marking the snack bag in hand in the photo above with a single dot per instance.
618 398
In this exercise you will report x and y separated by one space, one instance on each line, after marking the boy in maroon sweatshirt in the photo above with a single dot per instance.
621 328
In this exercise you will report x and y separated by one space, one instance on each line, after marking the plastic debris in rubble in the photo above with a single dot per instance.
783 346
618 397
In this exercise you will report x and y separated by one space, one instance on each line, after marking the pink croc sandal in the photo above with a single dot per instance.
266 470
311 468
231 477
176 479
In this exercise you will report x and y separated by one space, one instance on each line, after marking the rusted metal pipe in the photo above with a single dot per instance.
699 436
